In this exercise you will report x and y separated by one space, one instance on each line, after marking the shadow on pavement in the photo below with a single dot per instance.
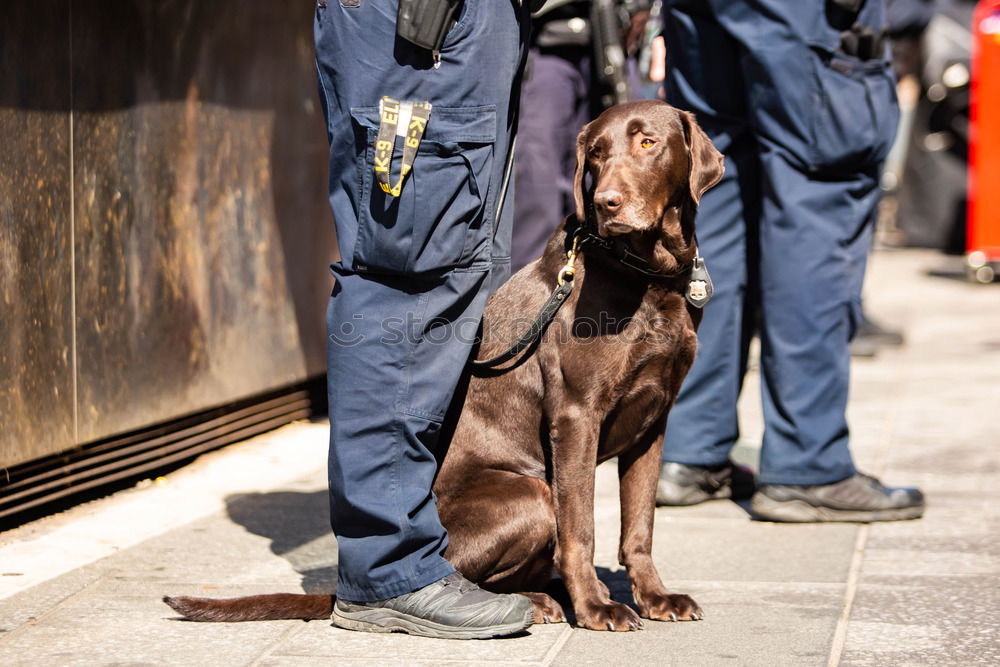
298 525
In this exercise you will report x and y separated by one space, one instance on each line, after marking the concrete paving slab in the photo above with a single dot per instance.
303 661
943 620
321 640
754 623
954 454
219 549
96 629
744 550
945 531
29 606
222 555
58 544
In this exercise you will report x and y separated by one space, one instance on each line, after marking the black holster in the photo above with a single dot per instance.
426 22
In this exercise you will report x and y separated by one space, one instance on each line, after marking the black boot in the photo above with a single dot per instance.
682 484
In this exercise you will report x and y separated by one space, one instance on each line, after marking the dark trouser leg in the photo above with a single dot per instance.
390 381
824 123
554 107
412 267
703 425
814 242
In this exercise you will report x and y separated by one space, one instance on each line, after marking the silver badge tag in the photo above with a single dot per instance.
700 288
696 290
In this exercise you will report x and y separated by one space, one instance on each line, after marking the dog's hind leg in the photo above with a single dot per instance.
501 534
501 531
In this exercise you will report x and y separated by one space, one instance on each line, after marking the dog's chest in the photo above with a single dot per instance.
628 369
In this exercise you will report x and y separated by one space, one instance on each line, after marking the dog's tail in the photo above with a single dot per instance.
253 608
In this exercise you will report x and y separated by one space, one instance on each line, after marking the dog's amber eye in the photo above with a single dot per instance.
647 143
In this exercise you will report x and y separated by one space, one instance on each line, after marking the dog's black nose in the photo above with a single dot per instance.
609 200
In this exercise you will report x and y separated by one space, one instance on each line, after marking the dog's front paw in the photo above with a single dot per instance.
545 609
670 607
609 615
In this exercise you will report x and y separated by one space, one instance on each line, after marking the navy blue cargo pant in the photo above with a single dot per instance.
415 270
786 233
555 105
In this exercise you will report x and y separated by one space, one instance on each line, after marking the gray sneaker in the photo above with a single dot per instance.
859 498
682 484
452 608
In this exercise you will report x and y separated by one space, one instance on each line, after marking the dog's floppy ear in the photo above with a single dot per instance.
581 171
707 163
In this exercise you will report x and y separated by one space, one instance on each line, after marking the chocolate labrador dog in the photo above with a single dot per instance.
516 486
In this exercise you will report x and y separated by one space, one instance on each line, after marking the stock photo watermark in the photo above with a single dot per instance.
410 330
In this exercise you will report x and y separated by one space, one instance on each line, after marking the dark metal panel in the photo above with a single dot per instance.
50 481
36 374
202 232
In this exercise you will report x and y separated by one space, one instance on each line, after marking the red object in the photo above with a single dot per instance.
984 145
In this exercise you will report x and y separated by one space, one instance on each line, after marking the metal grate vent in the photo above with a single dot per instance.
34 488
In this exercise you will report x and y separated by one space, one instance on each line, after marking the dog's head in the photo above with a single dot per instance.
648 165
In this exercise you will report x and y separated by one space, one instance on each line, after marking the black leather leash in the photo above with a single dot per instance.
564 286
534 332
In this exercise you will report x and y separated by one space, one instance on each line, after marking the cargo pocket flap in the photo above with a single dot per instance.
446 124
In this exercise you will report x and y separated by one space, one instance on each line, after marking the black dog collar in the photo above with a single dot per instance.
700 287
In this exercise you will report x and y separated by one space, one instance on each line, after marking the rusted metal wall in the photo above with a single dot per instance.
164 232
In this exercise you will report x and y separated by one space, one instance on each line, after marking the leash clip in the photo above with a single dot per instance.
569 270
545 315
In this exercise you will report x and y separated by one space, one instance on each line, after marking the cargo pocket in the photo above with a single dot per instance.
855 117
440 221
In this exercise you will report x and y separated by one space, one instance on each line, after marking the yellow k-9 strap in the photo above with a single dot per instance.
403 119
